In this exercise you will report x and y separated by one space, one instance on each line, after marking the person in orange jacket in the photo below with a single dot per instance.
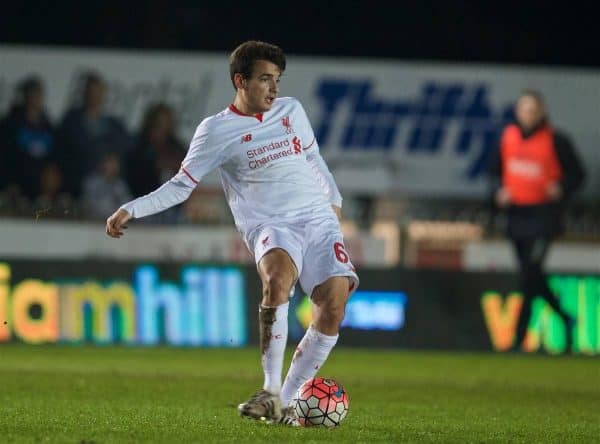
534 174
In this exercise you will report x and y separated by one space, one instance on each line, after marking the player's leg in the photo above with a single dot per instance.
522 322
329 303
329 277
531 253
523 249
538 283
278 275
539 280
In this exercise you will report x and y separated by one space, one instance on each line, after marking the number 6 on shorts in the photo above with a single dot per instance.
340 253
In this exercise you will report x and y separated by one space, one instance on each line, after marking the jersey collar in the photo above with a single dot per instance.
258 116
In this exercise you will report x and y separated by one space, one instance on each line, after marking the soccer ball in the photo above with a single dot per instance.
321 401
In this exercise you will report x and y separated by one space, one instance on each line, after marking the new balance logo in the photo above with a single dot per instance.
247 138
443 116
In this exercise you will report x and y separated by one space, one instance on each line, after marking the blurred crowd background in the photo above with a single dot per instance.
86 163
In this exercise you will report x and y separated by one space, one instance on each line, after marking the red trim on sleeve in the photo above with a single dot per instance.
189 175
258 116
310 144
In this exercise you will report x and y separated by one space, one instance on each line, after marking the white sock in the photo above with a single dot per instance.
310 355
272 358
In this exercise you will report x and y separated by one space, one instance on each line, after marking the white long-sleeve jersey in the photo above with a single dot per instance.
269 164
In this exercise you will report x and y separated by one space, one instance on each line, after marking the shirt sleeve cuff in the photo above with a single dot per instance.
129 208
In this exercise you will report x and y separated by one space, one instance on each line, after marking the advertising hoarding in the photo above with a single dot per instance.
187 304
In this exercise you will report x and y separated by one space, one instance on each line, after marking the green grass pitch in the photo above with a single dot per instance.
80 394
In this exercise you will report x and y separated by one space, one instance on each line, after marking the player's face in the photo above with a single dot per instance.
529 112
261 89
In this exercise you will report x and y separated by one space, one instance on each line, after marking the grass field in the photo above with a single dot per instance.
109 394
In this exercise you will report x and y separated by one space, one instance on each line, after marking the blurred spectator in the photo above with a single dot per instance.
105 190
158 153
534 173
27 140
52 200
156 157
87 134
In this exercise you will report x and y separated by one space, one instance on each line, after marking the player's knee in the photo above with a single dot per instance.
276 289
332 310
335 314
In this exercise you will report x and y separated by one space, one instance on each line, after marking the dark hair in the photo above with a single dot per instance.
90 78
25 87
30 84
243 58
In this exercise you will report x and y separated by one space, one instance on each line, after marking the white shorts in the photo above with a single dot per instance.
315 244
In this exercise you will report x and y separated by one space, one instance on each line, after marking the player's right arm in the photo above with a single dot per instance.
203 156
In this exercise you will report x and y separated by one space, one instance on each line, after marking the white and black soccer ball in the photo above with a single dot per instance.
321 402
